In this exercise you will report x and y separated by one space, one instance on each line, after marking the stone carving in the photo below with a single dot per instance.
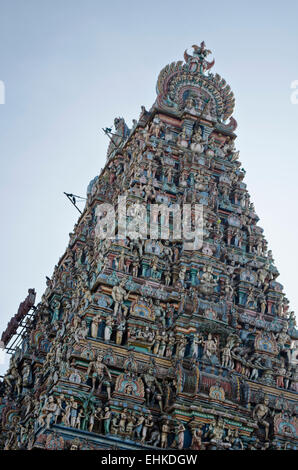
141 339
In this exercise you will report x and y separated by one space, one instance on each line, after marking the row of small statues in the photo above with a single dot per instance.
140 427
163 343
54 410
206 282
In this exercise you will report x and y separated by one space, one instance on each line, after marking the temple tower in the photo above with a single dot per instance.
146 338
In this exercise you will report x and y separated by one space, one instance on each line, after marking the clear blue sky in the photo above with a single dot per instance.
71 66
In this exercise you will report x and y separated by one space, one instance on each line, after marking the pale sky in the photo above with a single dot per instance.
71 66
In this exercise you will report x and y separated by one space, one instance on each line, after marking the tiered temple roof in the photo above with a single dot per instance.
143 343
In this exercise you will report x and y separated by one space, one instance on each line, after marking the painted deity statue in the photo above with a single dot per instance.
98 370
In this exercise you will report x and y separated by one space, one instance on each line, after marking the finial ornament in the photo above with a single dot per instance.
182 85
198 59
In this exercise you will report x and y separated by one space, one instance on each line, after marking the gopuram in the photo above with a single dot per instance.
144 342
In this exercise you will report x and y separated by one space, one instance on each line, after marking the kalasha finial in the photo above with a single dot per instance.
199 57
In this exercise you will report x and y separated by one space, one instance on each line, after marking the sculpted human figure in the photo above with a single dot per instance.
179 436
79 418
165 430
226 356
88 297
281 373
155 128
81 332
292 320
139 426
182 140
216 432
168 252
154 268
130 425
157 342
73 411
194 347
159 312
94 326
196 443
256 364
109 321
114 424
197 142
229 290
200 181
147 136
170 313
211 146
96 415
119 294
181 346
287 376
189 102
168 277
261 413
207 281
28 402
236 441
163 343
149 335
107 420
26 374
135 268
151 384
154 437
59 409
182 302
66 414
98 370
148 424
169 174
121 260
56 309
250 299
170 345
76 322
263 303
282 339
149 191
210 346
59 353
294 379
123 419
47 412
12 374
182 274
120 330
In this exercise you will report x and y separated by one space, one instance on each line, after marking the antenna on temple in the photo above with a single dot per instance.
73 199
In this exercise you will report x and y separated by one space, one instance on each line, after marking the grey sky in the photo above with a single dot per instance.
70 67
